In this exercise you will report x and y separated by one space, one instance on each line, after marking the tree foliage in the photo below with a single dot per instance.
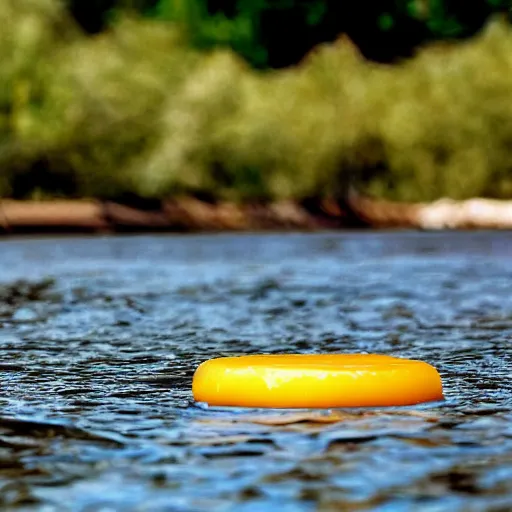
137 111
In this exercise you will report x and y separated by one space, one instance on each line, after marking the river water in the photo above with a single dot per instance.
100 338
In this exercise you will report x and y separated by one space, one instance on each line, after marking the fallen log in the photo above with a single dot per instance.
120 217
52 215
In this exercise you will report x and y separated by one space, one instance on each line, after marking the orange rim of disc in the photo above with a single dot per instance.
315 381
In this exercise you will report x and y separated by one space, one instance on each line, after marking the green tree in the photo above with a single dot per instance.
278 33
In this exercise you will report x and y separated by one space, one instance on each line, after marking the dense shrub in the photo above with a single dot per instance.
75 110
134 109
438 125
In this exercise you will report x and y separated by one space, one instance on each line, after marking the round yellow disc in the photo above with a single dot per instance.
315 381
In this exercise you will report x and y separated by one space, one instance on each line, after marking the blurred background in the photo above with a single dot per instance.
255 100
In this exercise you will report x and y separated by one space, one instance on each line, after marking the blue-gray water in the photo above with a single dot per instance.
96 368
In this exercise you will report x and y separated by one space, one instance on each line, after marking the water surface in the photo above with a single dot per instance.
100 338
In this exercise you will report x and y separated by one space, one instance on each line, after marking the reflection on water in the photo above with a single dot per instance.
100 338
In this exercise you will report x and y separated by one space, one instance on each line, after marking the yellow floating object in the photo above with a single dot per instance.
315 381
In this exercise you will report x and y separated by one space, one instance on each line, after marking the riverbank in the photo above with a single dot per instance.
188 214
185 214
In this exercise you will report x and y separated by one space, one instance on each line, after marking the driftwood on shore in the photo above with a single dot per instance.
193 215
476 213
177 215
